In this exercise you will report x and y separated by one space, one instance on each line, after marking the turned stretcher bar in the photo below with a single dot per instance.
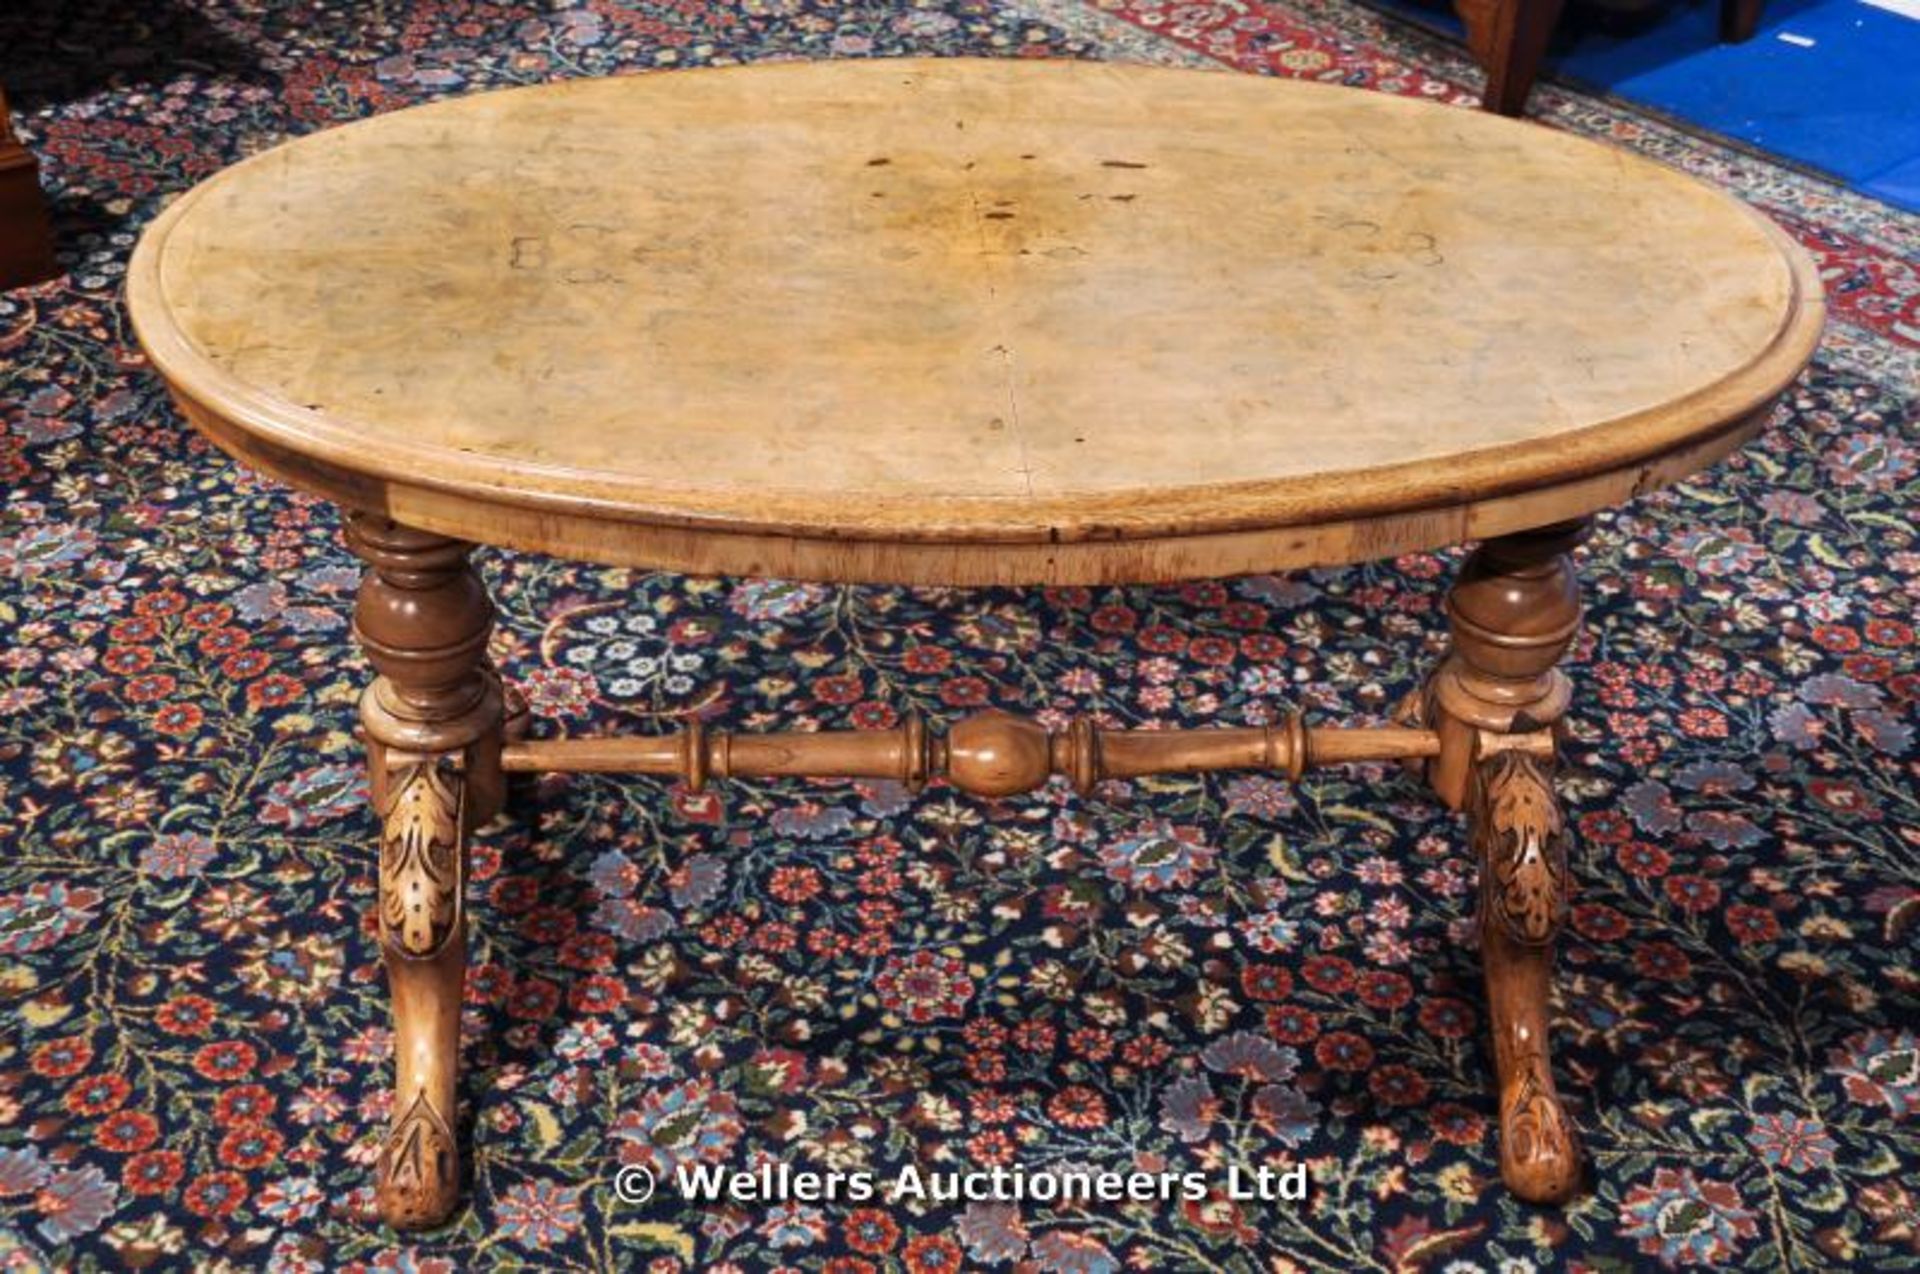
991 753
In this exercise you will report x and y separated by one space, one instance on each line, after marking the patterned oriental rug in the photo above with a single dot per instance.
1173 976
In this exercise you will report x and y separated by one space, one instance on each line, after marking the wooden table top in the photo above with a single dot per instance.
959 321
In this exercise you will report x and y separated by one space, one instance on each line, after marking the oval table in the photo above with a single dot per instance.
965 322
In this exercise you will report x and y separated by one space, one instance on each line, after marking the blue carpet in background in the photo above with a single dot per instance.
1830 84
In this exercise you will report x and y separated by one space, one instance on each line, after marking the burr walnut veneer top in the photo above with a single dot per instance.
965 322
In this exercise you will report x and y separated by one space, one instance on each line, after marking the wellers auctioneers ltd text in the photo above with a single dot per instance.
779 1182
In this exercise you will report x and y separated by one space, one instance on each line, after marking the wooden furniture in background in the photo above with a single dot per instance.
1739 19
960 322
26 236
1509 38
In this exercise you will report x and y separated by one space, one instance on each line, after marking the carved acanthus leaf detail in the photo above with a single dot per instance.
418 1165
1520 836
1536 1134
420 869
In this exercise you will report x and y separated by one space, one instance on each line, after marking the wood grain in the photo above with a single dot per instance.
434 723
993 753
864 320
1494 704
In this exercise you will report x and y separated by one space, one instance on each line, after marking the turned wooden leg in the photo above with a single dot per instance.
1509 38
433 719
1494 703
